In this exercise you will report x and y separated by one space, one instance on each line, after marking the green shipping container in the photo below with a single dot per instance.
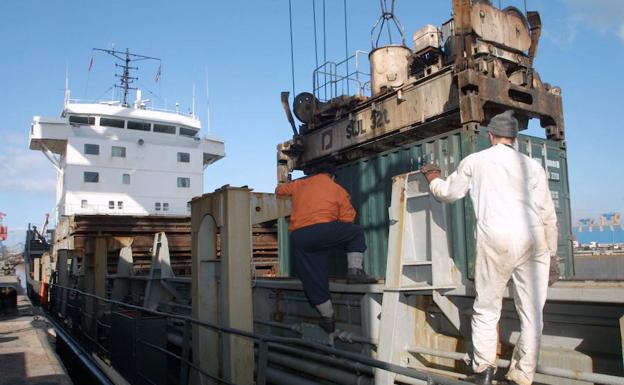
369 181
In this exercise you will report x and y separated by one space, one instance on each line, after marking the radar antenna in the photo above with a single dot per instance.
125 80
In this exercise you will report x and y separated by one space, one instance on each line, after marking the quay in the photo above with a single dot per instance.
27 354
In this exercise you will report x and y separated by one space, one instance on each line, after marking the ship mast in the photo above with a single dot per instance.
125 78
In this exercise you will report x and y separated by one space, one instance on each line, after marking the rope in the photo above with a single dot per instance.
105 92
144 87
292 54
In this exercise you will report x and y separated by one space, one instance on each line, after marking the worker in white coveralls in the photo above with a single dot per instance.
516 236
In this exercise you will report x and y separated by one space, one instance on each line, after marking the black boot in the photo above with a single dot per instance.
328 324
355 276
483 378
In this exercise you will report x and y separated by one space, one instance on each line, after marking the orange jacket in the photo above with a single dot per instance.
317 199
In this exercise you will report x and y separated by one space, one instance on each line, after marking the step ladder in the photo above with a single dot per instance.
157 289
418 262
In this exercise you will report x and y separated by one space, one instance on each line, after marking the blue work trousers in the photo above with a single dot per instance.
312 246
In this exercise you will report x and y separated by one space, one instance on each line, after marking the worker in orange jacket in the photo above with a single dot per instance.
322 220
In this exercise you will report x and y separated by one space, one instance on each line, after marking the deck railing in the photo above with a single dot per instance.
86 318
346 77
120 104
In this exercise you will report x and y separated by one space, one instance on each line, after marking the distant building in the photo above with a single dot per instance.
608 232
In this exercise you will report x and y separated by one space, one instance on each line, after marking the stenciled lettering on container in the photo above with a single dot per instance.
378 118
355 128
326 140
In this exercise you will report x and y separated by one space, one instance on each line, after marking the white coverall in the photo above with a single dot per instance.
516 234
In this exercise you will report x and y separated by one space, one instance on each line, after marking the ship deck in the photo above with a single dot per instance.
26 354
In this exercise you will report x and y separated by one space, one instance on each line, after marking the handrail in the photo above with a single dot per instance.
326 78
118 103
264 340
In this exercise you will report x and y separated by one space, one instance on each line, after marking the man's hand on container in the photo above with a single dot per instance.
430 171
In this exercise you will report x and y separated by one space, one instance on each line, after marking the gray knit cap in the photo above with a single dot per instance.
505 125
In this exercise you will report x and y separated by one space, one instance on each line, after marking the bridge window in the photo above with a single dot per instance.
76 119
137 125
184 157
164 128
125 179
108 122
187 132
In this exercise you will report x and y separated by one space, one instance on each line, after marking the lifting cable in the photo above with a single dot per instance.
346 44
315 43
292 55
324 35
324 53
387 15
388 24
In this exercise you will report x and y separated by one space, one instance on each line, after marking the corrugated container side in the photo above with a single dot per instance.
369 181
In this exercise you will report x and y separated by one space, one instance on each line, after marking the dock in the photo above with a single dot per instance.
26 354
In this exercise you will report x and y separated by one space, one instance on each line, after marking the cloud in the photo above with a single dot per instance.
24 170
604 16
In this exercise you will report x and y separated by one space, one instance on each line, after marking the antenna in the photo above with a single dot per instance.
125 80
207 104
193 103
66 85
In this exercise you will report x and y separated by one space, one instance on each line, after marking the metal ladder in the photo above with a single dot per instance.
157 288
418 262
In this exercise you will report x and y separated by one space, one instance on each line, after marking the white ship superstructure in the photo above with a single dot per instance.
115 158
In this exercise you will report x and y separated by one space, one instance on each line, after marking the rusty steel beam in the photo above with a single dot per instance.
463 33
479 92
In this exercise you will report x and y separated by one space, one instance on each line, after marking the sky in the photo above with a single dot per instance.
236 54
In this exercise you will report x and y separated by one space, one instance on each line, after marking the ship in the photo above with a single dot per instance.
123 157
135 308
